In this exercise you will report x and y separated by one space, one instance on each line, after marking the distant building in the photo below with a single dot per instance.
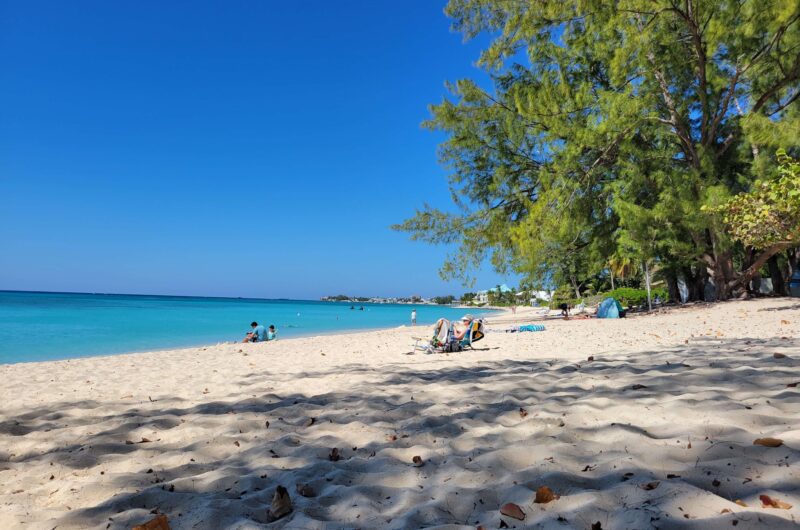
535 296
542 295
482 297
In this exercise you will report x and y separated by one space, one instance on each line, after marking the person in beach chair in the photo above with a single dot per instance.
471 330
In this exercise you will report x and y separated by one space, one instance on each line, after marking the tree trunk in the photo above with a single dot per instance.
647 284
723 275
778 285
793 256
612 279
695 283
749 257
747 274
756 284
672 288
576 286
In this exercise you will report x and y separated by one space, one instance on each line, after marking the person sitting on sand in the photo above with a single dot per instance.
259 333
272 334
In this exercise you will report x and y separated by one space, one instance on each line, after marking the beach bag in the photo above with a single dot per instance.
453 346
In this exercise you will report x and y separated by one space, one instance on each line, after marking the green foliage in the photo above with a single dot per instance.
609 125
443 300
468 297
563 295
627 296
636 297
499 298
339 297
770 213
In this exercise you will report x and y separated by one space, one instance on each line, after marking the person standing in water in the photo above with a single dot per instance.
414 317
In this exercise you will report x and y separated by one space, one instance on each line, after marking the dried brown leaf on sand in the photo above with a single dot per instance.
522 412
281 504
793 385
638 387
768 442
512 510
770 502
305 490
545 495
741 503
650 485
418 461
597 526
334 456
779 355
160 522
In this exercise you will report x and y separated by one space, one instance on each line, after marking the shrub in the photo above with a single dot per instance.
628 296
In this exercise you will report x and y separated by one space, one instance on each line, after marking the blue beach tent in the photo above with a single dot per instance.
609 308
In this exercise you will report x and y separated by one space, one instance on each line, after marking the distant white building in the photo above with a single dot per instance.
542 295
535 296
483 296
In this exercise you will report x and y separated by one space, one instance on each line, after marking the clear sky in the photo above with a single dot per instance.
243 148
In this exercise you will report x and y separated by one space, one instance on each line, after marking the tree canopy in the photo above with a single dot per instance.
606 129
770 213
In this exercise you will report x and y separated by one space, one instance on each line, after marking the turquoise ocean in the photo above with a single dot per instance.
45 326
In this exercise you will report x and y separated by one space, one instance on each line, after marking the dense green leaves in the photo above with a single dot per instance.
770 213
607 127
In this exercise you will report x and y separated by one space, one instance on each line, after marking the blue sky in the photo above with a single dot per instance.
222 148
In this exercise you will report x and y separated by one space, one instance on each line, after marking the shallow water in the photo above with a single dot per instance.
45 326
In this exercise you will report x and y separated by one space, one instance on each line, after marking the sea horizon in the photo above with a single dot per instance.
46 325
183 296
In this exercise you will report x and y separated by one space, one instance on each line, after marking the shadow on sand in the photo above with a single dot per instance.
489 433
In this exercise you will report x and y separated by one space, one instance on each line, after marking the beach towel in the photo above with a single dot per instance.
526 327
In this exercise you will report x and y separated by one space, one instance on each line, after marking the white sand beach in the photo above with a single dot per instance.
646 422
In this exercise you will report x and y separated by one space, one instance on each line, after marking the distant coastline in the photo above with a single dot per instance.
71 325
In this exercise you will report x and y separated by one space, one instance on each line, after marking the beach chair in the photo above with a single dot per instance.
443 336
475 332
441 333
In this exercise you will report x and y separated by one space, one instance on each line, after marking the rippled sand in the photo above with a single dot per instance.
656 431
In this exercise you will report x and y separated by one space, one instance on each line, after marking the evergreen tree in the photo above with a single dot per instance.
609 125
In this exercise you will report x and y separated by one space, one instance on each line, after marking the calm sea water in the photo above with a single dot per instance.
45 326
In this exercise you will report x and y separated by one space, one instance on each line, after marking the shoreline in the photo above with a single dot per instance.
205 346
597 410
